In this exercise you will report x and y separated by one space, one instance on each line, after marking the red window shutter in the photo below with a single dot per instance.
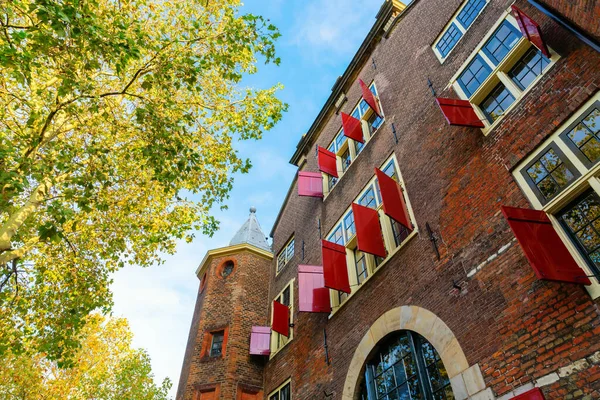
313 296
530 29
310 184
260 341
327 162
533 394
352 128
281 319
369 97
394 205
335 269
546 252
368 230
459 112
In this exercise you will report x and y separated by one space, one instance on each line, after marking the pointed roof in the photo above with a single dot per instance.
251 233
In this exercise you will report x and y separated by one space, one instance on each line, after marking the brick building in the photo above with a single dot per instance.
441 239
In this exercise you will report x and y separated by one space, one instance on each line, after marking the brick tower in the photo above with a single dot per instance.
233 296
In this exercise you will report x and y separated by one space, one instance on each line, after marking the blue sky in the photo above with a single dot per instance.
319 38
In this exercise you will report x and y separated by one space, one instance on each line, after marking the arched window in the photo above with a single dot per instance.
405 367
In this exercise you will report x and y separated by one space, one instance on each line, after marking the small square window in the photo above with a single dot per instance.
216 347
529 67
474 75
495 105
469 12
549 173
449 40
501 42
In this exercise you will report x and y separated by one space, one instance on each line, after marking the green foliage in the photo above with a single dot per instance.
114 115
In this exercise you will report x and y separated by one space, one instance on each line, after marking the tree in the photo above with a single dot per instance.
107 368
117 121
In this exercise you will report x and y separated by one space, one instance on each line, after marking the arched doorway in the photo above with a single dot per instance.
405 366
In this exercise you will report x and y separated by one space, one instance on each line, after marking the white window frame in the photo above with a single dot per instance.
460 27
337 299
499 73
278 341
350 144
589 179
283 257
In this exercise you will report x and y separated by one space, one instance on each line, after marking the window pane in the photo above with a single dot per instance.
337 236
474 75
470 11
501 42
349 225
400 232
358 146
361 266
331 181
368 199
374 123
586 136
363 106
340 139
217 344
581 220
529 67
285 297
449 40
549 174
346 159
290 250
285 392
496 104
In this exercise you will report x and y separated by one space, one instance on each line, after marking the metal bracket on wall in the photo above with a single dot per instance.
319 226
302 249
373 63
433 240
431 87
326 346
394 132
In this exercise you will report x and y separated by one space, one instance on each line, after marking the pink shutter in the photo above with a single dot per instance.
281 319
260 341
369 97
546 252
313 296
530 29
327 162
368 230
335 269
533 394
459 112
394 205
310 184
352 128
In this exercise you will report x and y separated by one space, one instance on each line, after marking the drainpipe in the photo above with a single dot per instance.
567 24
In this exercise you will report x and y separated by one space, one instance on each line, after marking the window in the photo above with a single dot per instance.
347 149
502 42
227 268
285 255
474 75
362 265
449 40
284 392
528 68
457 27
286 298
500 71
562 180
216 347
495 105
406 366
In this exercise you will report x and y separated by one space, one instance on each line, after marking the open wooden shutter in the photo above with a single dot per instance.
352 128
310 184
459 112
530 29
313 296
369 97
394 205
533 394
260 341
281 319
327 162
335 269
546 252
368 230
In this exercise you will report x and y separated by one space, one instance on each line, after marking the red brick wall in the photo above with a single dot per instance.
516 327
235 303
584 14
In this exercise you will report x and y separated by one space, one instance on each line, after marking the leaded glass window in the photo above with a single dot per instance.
406 367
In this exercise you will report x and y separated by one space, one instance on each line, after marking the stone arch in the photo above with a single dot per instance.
421 321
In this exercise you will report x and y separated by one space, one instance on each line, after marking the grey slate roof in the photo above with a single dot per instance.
251 233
